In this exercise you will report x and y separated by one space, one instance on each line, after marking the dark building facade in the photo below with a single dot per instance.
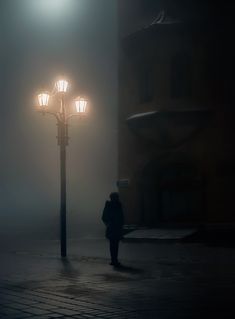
176 112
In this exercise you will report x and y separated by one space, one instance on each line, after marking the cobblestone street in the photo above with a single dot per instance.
157 281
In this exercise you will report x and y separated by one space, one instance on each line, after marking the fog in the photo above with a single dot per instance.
41 39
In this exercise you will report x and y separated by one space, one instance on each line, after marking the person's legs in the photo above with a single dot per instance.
114 243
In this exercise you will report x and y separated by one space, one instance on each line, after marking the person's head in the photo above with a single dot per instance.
114 197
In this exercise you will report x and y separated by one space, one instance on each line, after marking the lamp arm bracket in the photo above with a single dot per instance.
52 113
73 114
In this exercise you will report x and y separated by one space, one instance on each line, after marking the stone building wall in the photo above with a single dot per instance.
179 159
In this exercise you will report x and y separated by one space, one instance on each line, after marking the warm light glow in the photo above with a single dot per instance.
81 104
62 86
43 99
50 8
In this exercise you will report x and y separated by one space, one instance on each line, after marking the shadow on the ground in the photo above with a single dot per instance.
128 269
68 270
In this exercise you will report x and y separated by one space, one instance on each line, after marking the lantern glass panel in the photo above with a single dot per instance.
81 104
43 99
62 86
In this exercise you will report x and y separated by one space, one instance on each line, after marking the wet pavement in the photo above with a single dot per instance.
158 280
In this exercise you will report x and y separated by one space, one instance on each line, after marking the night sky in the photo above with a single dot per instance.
40 40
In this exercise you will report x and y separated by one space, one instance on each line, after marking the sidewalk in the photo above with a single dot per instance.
154 234
213 234
157 281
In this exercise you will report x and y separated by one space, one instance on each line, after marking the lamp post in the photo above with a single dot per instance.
62 112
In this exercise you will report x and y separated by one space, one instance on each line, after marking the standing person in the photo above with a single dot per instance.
113 219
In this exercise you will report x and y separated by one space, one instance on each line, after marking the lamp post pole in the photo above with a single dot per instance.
63 142
63 192
62 116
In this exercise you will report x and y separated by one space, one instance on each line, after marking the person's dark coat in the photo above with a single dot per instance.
113 219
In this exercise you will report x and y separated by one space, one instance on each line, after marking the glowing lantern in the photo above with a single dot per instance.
43 99
62 86
81 104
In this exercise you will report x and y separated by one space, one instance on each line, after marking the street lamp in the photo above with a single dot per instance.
81 104
43 99
62 113
62 86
